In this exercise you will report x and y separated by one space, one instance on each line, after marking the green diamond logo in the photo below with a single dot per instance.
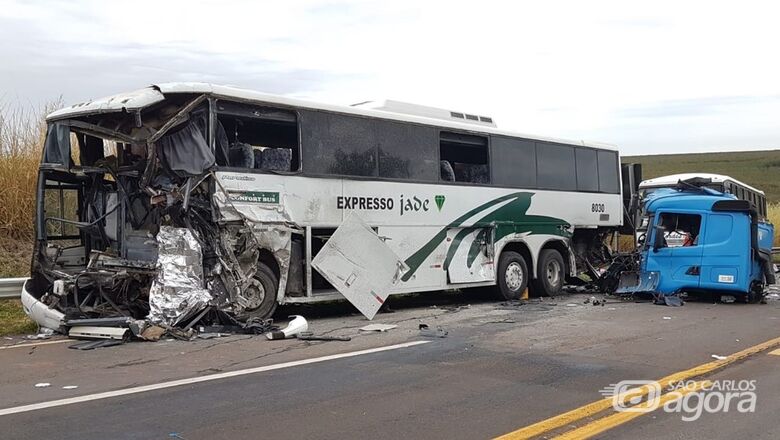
439 201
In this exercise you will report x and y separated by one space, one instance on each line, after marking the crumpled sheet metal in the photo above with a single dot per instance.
278 240
177 293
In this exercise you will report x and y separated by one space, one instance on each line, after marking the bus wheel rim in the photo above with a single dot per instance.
514 276
553 273
254 294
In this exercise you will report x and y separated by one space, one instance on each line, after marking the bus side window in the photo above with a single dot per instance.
466 155
256 137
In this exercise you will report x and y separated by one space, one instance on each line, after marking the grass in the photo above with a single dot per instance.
13 321
759 169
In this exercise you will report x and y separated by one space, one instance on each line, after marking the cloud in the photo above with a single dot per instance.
670 76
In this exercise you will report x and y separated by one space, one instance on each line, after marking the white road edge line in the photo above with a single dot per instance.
35 344
192 380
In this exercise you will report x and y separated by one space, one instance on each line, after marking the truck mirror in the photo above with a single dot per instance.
658 239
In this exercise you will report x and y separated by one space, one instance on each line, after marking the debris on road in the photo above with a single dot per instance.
728 299
378 327
296 326
43 333
428 332
100 343
310 336
667 317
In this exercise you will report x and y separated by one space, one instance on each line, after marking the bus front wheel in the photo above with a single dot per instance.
550 274
512 275
260 294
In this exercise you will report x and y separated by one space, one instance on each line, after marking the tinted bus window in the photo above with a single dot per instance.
338 144
514 162
555 167
587 170
608 172
406 151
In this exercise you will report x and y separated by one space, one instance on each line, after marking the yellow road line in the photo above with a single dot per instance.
604 424
775 352
604 404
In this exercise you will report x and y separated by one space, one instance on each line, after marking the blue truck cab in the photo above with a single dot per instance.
725 248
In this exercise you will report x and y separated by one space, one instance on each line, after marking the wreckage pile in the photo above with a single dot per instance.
157 245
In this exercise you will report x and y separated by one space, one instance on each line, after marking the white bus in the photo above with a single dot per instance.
262 183
717 182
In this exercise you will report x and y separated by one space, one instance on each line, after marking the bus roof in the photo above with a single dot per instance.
142 98
672 179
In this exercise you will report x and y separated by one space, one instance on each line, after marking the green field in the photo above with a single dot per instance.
760 169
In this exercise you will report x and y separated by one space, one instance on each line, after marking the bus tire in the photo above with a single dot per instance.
261 294
550 273
512 275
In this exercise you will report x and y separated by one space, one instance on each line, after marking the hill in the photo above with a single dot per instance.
760 169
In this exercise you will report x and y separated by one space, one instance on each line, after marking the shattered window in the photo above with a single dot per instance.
464 158
260 138
338 144
406 151
680 229
61 203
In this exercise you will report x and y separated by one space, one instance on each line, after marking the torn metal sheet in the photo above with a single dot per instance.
359 265
278 240
177 293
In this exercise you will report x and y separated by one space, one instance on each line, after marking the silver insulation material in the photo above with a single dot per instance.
178 291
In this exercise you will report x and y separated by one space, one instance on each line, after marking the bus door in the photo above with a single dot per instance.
470 255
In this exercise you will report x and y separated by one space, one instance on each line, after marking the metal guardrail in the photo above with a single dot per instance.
11 287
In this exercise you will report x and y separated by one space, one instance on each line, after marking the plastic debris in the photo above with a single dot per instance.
296 326
42 385
378 327
667 317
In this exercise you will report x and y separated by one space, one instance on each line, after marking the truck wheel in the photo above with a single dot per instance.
260 294
550 273
512 275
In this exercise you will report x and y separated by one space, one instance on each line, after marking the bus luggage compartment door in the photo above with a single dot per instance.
359 265
470 256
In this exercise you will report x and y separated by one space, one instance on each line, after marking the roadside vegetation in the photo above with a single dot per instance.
22 131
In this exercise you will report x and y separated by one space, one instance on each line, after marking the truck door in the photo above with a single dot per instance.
726 260
683 251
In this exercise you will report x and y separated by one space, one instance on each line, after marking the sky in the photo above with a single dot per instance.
647 77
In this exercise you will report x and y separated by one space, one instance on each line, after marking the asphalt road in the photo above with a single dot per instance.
500 368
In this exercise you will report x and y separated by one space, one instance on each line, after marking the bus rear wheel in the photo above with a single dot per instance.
550 273
512 275
260 294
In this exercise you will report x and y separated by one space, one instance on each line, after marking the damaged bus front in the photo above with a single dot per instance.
131 223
